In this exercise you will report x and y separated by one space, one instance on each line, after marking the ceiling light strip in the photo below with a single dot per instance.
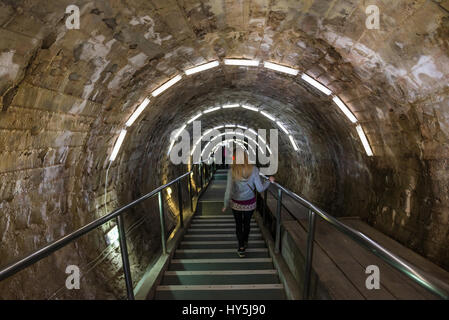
282 127
241 62
292 140
117 145
211 109
316 84
364 140
166 85
269 116
195 117
345 109
202 67
137 113
228 106
280 68
250 108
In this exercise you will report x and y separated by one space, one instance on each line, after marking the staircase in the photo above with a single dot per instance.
206 264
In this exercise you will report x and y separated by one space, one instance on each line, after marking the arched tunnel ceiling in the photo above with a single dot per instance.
287 99
65 95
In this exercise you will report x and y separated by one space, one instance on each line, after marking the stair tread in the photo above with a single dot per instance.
222 287
217 225
218 235
221 272
219 260
219 250
220 242
218 229
193 275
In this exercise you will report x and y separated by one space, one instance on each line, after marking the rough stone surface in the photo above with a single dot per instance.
65 95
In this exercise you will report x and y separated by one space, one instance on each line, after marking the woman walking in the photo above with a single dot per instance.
240 195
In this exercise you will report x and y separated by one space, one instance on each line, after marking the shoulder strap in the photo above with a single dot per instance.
252 189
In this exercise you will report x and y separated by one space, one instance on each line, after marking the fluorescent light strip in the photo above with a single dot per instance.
250 108
228 106
293 143
237 141
166 85
230 126
175 137
193 150
282 127
118 144
234 133
172 143
249 138
278 67
316 84
179 132
205 148
241 62
202 67
365 142
195 117
207 132
345 109
233 140
211 109
269 116
137 113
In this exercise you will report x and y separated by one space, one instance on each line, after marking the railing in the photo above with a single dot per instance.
204 172
369 244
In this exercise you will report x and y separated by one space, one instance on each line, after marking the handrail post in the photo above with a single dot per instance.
190 192
195 179
162 218
201 177
265 211
278 223
181 218
309 255
125 259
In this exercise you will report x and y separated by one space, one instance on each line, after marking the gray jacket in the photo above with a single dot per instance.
245 188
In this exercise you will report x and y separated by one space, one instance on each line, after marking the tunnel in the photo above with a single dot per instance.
94 94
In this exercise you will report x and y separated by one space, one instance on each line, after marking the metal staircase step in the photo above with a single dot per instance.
218 225
221 264
219 253
215 237
220 277
206 265
216 221
218 231
222 292
217 216
223 244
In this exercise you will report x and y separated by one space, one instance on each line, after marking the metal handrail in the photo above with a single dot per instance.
366 242
51 247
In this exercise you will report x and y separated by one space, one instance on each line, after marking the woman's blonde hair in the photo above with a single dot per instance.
241 170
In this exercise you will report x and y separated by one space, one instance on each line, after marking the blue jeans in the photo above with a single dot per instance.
242 225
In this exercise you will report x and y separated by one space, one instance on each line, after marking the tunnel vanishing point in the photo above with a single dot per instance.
91 92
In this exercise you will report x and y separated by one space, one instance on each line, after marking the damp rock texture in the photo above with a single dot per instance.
65 94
